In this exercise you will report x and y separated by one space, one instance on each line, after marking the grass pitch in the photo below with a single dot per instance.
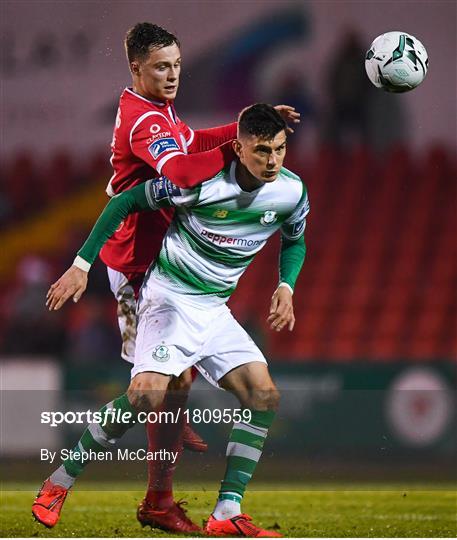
315 511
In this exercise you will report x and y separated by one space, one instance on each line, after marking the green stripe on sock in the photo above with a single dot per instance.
74 467
123 403
241 464
238 473
230 497
235 480
245 437
262 419
240 469
112 430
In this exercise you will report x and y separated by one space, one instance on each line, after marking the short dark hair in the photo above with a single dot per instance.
261 120
143 36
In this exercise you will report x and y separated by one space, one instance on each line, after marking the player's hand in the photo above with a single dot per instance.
281 310
289 114
72 283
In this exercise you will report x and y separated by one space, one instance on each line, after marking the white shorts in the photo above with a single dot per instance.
176 332
126 312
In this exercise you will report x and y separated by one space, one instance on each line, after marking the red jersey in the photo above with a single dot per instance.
148 136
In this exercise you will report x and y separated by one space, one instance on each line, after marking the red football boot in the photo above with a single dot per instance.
240 525
48 503
171 519
192 441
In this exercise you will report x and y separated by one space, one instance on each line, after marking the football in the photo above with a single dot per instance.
396 62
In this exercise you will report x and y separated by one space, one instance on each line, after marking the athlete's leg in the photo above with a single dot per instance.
256 391
162 324
163 436
235 362
145 393
253 386
191 440
159 492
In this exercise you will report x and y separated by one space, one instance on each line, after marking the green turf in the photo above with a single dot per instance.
340 510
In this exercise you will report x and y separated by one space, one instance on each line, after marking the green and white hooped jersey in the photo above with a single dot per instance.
218 228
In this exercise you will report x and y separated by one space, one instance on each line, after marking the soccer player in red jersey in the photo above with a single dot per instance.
150 140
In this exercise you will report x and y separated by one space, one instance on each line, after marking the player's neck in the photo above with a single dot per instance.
245 179
138 90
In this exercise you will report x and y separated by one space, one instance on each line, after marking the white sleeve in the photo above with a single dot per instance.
294 226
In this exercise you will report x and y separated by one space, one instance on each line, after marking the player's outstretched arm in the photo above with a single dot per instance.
209 138
206 139
190 170
119 207
291 260
73 282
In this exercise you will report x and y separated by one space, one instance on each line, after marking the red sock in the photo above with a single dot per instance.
164 436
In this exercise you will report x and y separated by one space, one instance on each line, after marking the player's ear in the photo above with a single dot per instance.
135 67
236 147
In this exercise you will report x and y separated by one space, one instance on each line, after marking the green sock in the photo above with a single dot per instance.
243 452
98 437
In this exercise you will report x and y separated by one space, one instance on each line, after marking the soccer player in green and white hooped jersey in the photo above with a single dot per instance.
183 318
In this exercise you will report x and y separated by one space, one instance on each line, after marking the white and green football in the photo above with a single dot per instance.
396 62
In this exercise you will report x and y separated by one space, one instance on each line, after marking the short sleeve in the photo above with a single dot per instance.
152 140
294 226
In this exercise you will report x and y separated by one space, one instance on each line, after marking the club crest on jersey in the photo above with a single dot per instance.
268 218
220 213
161 353
161 146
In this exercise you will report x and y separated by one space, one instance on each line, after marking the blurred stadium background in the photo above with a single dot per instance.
369 374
